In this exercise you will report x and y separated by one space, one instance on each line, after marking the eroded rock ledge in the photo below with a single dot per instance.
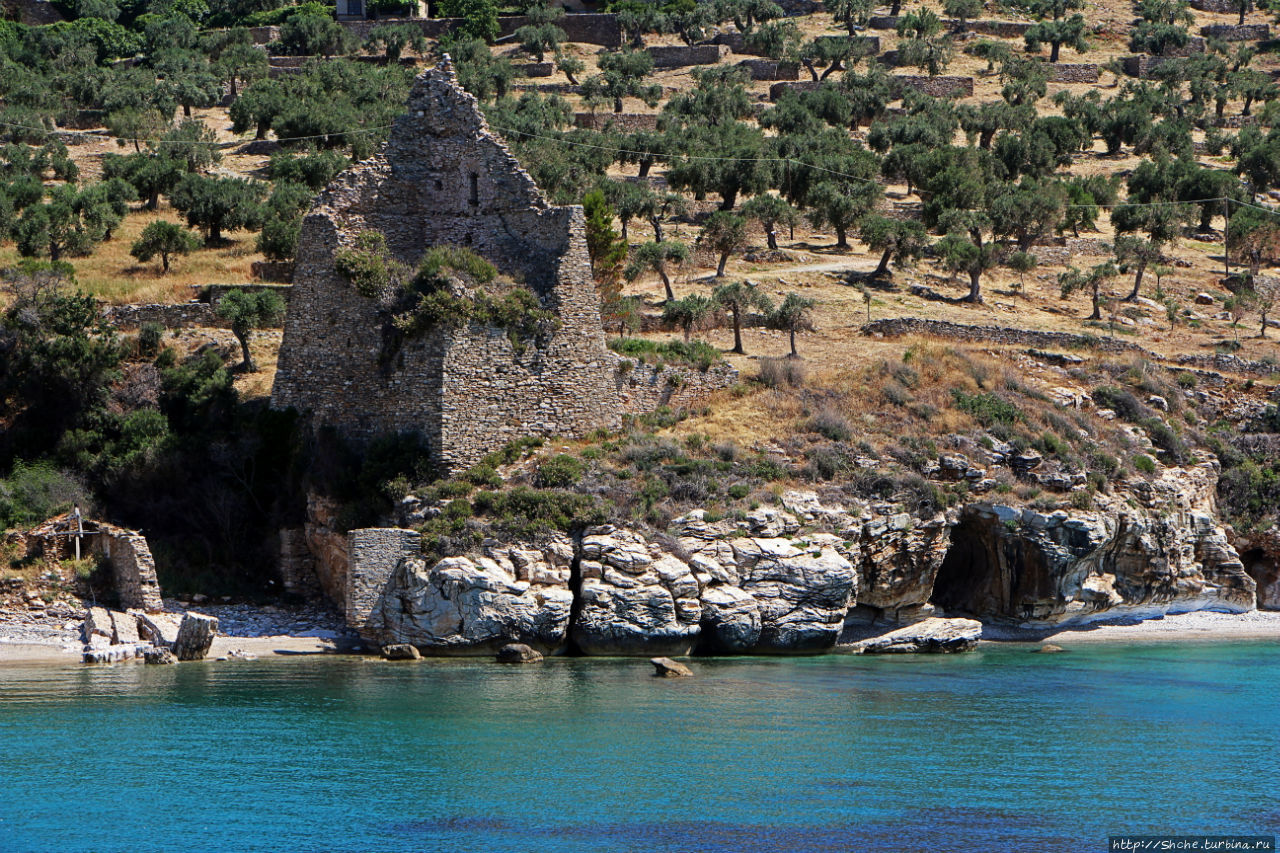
803 577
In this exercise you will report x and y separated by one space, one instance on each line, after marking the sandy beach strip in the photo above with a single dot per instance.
1201 625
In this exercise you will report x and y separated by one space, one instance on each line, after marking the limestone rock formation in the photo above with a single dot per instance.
767 594
934 635
1162 554
159 628
463 606
444 178
634 598
195 636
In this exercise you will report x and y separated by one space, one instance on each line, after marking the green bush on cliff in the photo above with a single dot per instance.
988 409
527 512
559 472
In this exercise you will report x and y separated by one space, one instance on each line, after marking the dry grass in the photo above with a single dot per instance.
115 276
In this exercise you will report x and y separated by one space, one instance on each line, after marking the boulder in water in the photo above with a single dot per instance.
668 668
159 655
401 651
518 653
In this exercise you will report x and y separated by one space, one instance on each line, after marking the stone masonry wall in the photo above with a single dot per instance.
767 69
132 566
1234 32
1065 72
679 56
444 179
375 553
628 122
180 316
941 86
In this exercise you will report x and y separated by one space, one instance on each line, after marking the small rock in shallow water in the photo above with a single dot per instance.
668 668
1048 649
401 651
518 653
195 636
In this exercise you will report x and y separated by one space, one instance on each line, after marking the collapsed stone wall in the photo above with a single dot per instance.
445 179
133 569
898 326
645 387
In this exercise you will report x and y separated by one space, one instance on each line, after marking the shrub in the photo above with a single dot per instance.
149 337
782 372
738 491
528 512
34 492
696 353
986 408
830 424
559 472
1144 463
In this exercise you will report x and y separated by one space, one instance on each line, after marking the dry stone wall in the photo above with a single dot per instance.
942 86
445 179
133 569
180 316
1237 32
679 56
1063 72
627 122
898 326
768 69
375 554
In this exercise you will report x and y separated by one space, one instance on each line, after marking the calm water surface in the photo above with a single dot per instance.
1001 750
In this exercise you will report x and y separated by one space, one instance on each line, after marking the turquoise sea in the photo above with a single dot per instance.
999 750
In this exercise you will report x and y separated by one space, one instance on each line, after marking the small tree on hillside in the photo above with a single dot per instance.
899 240
541 35
923 43
164 239
657 258
1162 224
1266 293
1075 279
248 310
608 251
770 211
1021 263
623 74
219 204
963 11
738 298
793 315
851 14
723 233
689 313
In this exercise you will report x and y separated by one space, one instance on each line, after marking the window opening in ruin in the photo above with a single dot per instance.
475 188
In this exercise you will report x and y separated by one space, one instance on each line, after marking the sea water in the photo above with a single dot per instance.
998 750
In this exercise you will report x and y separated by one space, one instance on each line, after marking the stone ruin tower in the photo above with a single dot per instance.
443 178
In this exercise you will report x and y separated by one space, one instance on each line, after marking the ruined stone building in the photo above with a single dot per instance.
445 179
